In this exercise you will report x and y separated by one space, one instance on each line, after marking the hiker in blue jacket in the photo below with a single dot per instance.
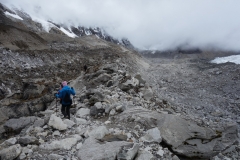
64 95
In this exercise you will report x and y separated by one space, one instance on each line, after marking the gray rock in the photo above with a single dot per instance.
152 135
98 132
80 121
139 78
28 140
55 156
147 93
110 67
184 137
39 122
10 141
98 105
83 112
106 150
65 144
57 123
144 155
11 152
16 125
128 153
69 123
97 97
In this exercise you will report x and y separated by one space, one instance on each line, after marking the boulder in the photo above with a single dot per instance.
55 156
128 152
143 155
139 78
152 135
129 84
28 140
98 132
57 123
16 125
11 152
65 144
69 123
93 150
147 93
184 137
80 121
110 68
97 97
83 112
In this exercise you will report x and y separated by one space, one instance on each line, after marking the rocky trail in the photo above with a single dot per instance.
126 107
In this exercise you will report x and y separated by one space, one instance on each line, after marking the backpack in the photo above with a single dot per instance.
67 98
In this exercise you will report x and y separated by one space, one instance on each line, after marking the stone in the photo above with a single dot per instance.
184 137
28 140
106 150
99 132
22 156
65 144
97 97
55 156
144 155
152 135
175 158
69 123
83 112
57 123
147 93
16 125
98 105
112 112
128 153
139 78
129 84
11 152
11 141
120 108
160 152
80 121
79 145
39 122
56 133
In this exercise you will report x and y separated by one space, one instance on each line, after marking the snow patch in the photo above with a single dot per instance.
45 24
234 59
70 34
88 32
13 15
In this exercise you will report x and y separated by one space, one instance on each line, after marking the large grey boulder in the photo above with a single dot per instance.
98 132
97 97
28 140
83 112
92 149
65 144
129 84
11 152
32 90
128 152
57 123
143 155
152 135
16 125
184 137
147 93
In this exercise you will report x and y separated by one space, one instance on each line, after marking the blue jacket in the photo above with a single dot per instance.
61 94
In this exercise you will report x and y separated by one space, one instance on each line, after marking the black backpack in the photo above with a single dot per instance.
67 98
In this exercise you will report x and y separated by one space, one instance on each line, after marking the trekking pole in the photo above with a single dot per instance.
56 106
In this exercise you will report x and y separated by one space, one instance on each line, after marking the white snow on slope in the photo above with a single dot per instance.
70 34
13 15
45 24
234 59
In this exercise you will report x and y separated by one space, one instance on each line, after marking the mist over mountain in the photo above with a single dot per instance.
154 25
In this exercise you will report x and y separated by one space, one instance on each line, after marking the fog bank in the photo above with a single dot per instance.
155 24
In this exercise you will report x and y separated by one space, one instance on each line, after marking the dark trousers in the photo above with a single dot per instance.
66 111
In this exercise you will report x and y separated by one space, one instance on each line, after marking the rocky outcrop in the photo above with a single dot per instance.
184 137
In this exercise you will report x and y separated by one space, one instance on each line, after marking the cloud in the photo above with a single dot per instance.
155 24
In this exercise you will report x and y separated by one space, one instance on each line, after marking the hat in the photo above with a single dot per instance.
64 83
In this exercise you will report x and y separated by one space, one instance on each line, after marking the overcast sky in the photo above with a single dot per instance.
149 24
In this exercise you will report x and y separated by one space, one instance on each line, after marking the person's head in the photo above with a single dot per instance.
64 83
